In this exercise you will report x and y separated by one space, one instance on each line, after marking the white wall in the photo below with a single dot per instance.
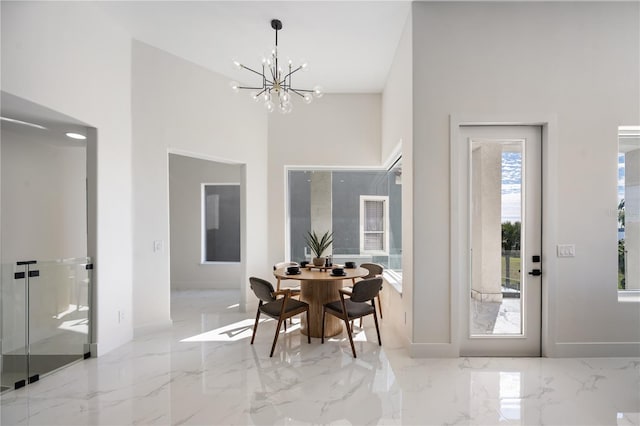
397 133
186 176
577 61
43 198
72 60
336 130
397 96
182 108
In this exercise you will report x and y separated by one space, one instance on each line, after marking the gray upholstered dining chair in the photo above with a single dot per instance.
359 304
295 291
276 308
375 270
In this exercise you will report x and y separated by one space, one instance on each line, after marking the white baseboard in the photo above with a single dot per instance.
559 350
433 350
93 349
203 285
150 328
594 349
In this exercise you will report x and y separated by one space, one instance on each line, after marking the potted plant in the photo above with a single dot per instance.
318 245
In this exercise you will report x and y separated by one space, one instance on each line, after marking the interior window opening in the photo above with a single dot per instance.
362 208
628 213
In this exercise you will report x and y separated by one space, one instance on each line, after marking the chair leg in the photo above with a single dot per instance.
353 348
255 326
324 313
275 338
380 306
375 318
308 329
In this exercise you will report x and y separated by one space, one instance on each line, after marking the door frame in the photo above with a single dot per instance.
459 217
528 140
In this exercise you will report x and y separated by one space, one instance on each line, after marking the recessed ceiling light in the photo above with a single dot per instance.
75 136
24 123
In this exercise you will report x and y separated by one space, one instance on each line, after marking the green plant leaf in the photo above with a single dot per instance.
318 244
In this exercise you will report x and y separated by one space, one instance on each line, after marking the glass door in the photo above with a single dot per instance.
59 295
45 312
502 315
13 332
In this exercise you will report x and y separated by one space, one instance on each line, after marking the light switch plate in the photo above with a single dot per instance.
566 250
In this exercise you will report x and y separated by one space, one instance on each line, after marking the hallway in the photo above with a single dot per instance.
203 371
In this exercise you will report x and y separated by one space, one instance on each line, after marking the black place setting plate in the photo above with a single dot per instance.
293 273
338 275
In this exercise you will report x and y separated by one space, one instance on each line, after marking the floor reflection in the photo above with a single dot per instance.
203 371
288 392
510 396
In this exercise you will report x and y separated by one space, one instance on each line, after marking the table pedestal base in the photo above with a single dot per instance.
316 294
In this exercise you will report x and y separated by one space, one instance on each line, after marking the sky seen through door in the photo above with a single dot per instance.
511 186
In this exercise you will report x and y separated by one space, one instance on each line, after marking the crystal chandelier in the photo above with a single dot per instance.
276 90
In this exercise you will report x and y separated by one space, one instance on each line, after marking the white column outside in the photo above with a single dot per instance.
632 219
486 222
321 207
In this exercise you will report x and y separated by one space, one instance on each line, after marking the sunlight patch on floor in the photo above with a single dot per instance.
233 332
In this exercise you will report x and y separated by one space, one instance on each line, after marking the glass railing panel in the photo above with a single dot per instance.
59 313
13 326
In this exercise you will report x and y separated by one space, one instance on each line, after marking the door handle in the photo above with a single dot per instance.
535 272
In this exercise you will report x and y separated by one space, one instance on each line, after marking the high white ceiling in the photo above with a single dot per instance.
349 45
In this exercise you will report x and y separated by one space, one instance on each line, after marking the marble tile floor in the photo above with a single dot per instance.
203 371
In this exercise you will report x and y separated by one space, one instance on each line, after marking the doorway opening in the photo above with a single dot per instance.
48 199
205 220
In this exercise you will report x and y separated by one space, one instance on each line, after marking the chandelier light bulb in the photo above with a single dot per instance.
276 80
269 106
235 86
